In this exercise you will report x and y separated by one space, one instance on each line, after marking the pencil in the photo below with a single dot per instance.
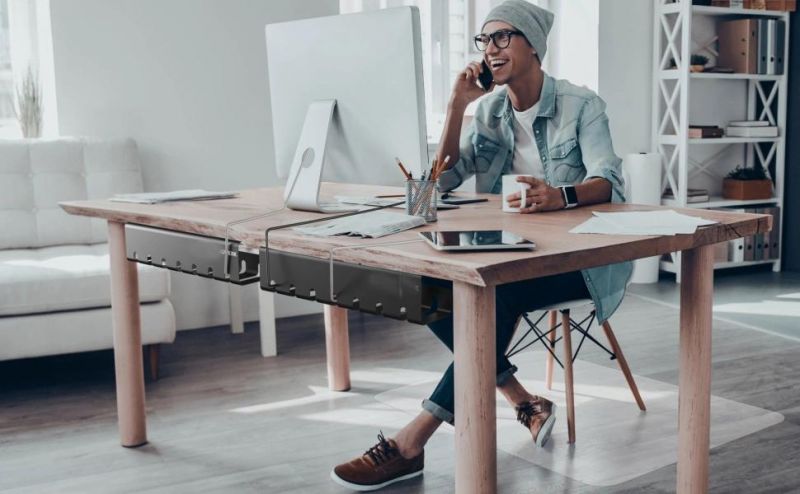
403 169
441 167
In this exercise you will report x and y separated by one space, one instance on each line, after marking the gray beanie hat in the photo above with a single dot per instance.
534 22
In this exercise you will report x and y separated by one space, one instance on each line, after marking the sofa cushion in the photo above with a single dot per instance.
78 331
66 277
35 175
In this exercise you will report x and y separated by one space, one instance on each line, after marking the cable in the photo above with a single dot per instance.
226 249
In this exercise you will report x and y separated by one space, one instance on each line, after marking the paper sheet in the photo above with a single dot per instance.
661 222
369 225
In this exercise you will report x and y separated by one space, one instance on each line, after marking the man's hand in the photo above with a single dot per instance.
540 197
465 88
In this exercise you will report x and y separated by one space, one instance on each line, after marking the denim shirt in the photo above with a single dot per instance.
574 143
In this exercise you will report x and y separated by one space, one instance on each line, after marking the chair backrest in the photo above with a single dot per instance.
35 175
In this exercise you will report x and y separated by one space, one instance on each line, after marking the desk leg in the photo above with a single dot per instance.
266 324
475 369
337 347
127 340
694 392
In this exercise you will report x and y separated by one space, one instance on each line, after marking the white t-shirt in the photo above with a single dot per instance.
526 152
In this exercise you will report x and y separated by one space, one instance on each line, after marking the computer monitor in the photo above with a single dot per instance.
370 64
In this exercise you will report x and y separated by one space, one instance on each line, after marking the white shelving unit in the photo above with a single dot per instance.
681 98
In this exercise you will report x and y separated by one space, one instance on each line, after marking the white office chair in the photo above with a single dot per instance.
583 327
569 325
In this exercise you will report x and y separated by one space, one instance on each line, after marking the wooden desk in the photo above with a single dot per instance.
474 277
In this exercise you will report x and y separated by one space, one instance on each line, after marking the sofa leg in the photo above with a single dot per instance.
152 352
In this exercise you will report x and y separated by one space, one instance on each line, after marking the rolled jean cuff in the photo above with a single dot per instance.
440 413
506 375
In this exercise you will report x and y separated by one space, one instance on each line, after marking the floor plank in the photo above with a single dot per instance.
58 420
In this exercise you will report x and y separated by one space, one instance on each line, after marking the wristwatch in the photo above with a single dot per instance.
570 196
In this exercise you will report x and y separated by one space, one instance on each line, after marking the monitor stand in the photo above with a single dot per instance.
302 188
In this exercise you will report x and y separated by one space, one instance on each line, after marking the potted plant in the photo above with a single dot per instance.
697 63
747 183
29 105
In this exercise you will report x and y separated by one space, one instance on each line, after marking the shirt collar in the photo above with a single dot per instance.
547 100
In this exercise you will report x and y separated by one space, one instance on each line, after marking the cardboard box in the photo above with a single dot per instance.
783 5
738 45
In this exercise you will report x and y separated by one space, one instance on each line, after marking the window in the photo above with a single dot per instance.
25 43
7 115
447 28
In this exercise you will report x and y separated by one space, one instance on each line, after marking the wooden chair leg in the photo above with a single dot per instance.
623 365
153 352
551 337
568 381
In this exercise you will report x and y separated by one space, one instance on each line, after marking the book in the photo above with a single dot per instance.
692 195
704 131
748 123
752 131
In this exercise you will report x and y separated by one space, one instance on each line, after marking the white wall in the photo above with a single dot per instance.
572 51
608 46
625 71
188 80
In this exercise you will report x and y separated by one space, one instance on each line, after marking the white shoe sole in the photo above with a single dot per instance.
547 428
365 488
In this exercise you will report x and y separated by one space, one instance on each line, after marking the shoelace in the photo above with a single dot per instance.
526 412
381 452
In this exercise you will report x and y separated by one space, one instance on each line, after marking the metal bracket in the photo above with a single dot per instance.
191 254
394 294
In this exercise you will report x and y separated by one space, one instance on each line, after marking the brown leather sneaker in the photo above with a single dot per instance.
539 416
378 467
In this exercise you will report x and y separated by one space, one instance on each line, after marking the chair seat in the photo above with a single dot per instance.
568 304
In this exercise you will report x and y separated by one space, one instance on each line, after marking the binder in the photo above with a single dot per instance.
766 241
780 46
770 46
738 45
736 250
758 247
775 234
749 248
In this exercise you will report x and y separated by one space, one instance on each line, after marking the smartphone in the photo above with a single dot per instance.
485 77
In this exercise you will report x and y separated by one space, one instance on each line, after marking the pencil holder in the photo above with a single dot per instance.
421 198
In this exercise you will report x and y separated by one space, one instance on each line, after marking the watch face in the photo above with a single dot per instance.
571 195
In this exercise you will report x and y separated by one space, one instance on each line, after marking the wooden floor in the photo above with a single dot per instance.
58 420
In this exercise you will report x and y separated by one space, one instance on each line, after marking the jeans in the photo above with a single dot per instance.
512 300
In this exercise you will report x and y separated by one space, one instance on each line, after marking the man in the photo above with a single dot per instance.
557 134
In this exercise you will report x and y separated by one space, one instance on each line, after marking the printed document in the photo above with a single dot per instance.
175 195
662 222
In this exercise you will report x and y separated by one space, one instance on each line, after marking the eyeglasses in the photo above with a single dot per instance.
501 39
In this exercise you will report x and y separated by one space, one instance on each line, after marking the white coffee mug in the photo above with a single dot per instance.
510 185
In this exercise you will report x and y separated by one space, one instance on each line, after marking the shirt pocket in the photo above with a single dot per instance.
486 151
565 160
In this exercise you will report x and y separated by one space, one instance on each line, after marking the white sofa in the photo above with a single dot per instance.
54 269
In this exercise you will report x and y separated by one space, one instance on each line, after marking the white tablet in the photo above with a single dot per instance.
476 240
